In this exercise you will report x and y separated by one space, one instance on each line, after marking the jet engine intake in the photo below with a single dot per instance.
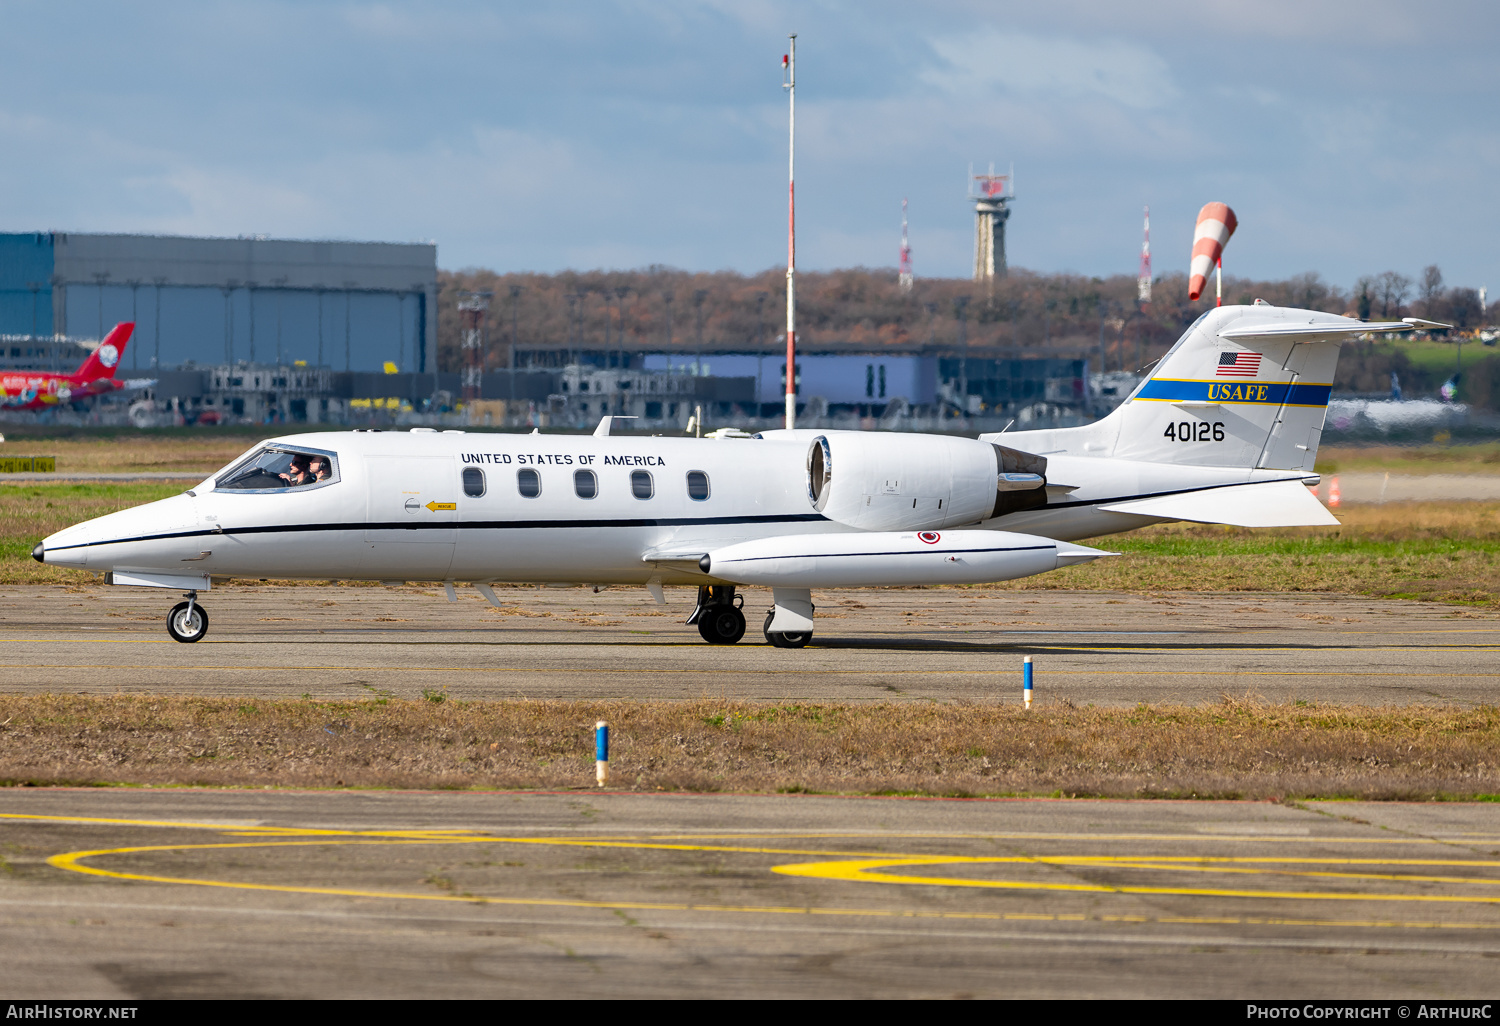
898 482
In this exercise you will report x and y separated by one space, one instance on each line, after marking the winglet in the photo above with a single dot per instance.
103 362
602 431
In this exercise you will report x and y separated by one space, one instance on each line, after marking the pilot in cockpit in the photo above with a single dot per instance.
297 473
318 469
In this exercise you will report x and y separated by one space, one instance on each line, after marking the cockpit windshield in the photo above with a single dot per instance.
280 468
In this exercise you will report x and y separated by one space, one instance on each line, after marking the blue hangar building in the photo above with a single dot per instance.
348 306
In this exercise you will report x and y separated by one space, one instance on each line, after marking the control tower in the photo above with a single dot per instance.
991 195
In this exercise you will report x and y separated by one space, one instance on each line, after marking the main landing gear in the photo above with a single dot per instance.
789 624
784 639
720 616
188 621
720 620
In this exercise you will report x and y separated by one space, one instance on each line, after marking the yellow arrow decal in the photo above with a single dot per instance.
435 506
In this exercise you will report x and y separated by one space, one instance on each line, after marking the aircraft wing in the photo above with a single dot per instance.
1270 504
1320 331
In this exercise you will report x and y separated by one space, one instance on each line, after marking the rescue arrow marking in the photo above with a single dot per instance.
435 506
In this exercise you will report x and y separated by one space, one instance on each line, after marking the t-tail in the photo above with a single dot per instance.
104 361
1245 387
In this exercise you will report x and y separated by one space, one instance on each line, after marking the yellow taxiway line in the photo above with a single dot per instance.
848 866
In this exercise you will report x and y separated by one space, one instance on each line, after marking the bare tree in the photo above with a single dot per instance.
1394 288
1308 290
1362 291
1462 308
1431 290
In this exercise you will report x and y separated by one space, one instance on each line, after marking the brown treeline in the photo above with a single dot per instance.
660 309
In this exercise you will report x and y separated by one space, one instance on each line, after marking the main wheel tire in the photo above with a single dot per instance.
722 625
187 626
782 640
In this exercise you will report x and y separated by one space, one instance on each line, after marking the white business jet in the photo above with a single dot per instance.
1225 431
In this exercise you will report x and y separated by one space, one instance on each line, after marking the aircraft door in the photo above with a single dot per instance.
412 516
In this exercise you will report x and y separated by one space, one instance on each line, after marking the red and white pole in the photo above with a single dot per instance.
790 85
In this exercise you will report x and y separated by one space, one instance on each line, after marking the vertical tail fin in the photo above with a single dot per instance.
1245 386
103 361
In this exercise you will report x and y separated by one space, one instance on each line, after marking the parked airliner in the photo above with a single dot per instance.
1224 430
42 390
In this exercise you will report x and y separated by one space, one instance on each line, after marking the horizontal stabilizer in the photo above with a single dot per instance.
1309 331
1285 503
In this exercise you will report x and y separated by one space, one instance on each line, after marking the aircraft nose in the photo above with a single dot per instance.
39 553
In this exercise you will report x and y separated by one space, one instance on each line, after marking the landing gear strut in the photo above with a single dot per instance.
188 621
719 618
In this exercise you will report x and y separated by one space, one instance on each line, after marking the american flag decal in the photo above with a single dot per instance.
1238 365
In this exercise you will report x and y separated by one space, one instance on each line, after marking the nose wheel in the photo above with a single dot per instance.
188 621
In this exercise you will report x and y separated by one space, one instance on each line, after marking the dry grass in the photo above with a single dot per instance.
1439 551
1480 458
194 453
1232 749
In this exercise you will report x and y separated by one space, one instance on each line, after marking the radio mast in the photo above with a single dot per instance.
789 83
1143 279
904 275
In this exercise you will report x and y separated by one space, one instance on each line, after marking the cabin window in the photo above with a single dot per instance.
529 483
473 482
585 484
641 485
697 482
277 468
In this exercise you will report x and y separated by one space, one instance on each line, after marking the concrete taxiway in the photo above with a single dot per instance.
163 894
924 644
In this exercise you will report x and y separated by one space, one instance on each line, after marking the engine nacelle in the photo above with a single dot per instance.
882 481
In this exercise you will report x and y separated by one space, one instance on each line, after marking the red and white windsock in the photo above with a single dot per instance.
1216 223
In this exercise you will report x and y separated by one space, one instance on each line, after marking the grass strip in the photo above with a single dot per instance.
1231 749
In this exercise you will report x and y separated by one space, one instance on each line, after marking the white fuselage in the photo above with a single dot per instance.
399 511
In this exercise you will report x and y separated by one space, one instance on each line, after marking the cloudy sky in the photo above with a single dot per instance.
1350 137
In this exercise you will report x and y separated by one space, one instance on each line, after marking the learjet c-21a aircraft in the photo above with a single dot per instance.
1224 430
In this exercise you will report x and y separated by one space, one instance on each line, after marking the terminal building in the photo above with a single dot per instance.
346 306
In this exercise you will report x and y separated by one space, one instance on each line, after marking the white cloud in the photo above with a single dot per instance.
992 60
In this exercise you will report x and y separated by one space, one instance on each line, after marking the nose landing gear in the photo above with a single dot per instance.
720 620
188 621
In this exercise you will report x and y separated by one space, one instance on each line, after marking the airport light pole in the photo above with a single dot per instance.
101 277
515 303
789 65
156 357
135 285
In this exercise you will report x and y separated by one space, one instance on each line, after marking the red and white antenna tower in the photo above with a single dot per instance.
789 83
904 268
1143 279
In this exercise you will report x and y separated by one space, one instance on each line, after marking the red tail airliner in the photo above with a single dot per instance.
39 390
